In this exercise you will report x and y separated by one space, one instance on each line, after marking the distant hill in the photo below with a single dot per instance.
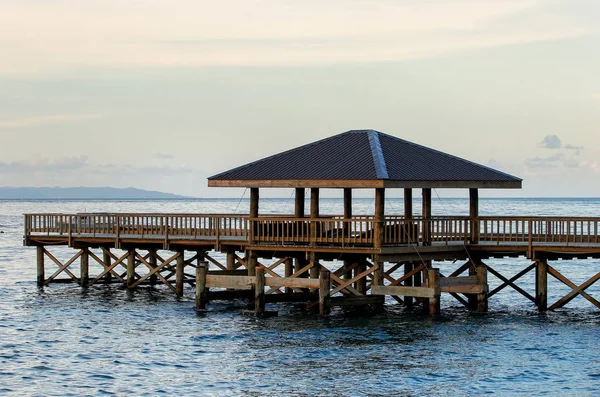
86 193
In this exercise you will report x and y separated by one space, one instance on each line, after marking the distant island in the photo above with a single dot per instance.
83 193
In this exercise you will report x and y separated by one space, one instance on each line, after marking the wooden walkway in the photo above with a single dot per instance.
400 265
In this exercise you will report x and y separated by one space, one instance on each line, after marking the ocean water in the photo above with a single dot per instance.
62 340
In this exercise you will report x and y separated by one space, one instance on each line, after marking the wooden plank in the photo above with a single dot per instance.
463 289
236 282
457 281
294 282
416 292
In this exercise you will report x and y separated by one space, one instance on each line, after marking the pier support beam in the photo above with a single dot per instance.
153 263
482 298
433 281
130 267
347 211
541 285
259 292
379 217
361 284
201 290
230 260
378 279
84 275
324 292
252 261
254 197
41 277
316 267
288 271
179 275
107 261
408 300
408 203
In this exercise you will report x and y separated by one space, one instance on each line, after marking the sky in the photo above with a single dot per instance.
160 95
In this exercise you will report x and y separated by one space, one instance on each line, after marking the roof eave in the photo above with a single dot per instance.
363 184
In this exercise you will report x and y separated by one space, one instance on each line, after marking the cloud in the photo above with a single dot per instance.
554 142
44 165
115 34
166 156
551 142
36 121
553 161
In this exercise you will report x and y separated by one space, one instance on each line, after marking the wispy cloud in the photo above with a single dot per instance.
164 156
35 121
44 165
264 32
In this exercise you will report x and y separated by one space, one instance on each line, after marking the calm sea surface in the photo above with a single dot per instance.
109 341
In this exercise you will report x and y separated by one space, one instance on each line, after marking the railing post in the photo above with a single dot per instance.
324 292
201 290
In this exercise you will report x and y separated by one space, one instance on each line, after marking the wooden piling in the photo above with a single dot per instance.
541 285
179 275
482 298
107 260
361 285
41 277
201 290
324 292
472 299
289 270
252 260
316 267
84 277
130 267
259 292
408 300
152 260
230 265
433 281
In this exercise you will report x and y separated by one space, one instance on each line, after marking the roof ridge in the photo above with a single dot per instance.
377 153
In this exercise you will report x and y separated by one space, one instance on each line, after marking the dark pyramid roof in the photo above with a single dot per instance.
363 158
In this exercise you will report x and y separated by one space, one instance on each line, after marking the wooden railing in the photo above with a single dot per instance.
331 229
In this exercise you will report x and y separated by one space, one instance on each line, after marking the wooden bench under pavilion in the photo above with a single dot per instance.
326 260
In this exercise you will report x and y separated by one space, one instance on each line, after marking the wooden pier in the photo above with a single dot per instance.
325 260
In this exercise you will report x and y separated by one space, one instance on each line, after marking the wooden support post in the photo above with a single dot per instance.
482 298
408 203
361 285
408 300
85 268
41 277
347 210
427 216
201 290
324 292
130 267
541 285
152 260
378 279
299 207
179 275
474 214
107 260
259 292
254 198
289 270
472 298
347 275
314 270
252 260
314 215
230 260
433 281
379 217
